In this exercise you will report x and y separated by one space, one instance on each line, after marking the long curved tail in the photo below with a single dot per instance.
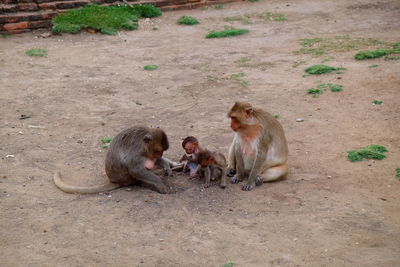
82 189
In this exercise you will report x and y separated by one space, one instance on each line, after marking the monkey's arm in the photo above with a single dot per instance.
140 173
167 165
240 172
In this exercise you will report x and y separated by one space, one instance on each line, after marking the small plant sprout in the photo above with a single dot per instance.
106 142
226 33
315 91
238 78
321 69
150 67
219 7
298 63
36 52
331 86
187 20
276 116
398 173
244 19
373 66
272 16
228 264
369 152
377 102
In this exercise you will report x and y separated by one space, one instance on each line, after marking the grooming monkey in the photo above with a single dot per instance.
212 165
259 150
132 157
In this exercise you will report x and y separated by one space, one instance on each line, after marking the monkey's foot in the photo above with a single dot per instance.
231 173
248 187
207 185
236 179
259 180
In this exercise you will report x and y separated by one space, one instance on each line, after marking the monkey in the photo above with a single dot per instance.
192 149
259 149
212 165
132 157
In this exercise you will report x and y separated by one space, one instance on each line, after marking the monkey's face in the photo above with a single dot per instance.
157 151
191 147
235 124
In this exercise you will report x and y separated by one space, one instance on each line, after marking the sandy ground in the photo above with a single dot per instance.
328 212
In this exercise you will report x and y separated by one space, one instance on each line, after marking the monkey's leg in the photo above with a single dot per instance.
273 174
223 178
207 175
256 170
150 178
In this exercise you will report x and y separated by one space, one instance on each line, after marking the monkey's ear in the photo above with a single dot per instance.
249 111
147 138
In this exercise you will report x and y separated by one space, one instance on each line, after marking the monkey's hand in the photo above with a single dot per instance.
248 186
167 189
236 179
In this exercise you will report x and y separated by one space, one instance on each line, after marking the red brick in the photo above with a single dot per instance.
10 1
48 6
8 8
26 1
193 1
18 31
39 24
196 5
176 7
16 26
28 7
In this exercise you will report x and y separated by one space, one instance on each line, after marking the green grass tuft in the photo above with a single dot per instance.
226 33
398 173
219 7
147 11
321 69
107 140
228 264
314 92
4 35
272 16
319 46
245 19
187 20
377 102
106 19
150 67
238 78
36 52
369 152
276 116
363 55
373 66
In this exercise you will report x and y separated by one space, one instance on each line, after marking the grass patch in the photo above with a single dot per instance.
398 173
272 16
363 55
276 116
324 86
298 63
321 69
315 91
106 19
245 19
219 7
187 20
228 264
36 52
106 142
238 78
319 46
4 35
392 57
226 33
377 102
373 66
150 67
369 152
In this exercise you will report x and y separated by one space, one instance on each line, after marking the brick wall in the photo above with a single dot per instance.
18 16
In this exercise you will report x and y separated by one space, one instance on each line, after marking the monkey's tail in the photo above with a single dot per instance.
82 189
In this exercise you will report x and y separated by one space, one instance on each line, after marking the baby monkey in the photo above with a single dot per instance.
189 160
212 166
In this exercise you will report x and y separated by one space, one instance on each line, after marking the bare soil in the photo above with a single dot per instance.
328 212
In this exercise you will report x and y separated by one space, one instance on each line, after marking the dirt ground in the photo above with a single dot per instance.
328 212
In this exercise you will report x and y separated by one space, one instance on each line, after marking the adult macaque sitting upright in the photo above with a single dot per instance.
259 150
131 158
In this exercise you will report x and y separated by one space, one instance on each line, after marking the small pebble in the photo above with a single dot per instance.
299 120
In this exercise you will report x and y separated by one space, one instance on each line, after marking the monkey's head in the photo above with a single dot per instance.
241 115
190 144
206 158
157 143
